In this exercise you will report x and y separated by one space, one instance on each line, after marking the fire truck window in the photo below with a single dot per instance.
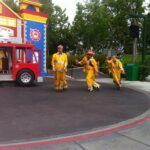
29 56
32 56
20 55
5 60
36 57
1 57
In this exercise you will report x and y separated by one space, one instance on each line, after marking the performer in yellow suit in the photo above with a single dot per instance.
91 70
116 70
59 65
1 56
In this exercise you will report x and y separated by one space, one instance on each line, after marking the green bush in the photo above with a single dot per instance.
49 59
127 59
147 61
71 60
144 70
100 58
104 68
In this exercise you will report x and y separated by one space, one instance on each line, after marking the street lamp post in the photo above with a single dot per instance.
144 33
144 39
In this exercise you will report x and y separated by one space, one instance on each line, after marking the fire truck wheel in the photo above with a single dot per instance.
25 78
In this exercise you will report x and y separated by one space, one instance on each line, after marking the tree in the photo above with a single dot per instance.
12 5
58 27
120 22
148 25
148 32
91 24
105 24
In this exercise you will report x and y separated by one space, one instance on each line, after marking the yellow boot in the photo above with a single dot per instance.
60 87
65 87
56 88
96 85
90 89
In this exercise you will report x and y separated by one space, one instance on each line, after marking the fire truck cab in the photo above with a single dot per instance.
19 63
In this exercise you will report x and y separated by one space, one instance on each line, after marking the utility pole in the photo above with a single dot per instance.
135 39
134 50
144 39
144 45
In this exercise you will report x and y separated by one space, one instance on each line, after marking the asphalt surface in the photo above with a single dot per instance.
39 111
78 73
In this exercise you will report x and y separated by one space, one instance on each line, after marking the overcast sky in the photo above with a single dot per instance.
70 6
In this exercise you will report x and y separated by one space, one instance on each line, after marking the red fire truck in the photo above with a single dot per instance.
20 63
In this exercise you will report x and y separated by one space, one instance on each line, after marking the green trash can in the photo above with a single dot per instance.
132 72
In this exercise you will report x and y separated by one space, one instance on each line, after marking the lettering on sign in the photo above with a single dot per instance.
8 30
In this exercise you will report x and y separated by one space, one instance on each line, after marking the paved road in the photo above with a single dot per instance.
78 73
39 111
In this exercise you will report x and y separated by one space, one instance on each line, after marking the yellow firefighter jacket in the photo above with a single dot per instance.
59 61
115 67
89 64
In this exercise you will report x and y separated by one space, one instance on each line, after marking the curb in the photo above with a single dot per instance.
80 136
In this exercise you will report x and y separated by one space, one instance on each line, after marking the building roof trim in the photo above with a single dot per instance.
10 10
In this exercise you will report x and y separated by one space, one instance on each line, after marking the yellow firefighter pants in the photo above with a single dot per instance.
0 64
90 78
117 77
60 80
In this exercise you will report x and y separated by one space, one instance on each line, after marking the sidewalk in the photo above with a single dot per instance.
135 138
137 85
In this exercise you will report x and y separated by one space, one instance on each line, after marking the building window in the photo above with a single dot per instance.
30 7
